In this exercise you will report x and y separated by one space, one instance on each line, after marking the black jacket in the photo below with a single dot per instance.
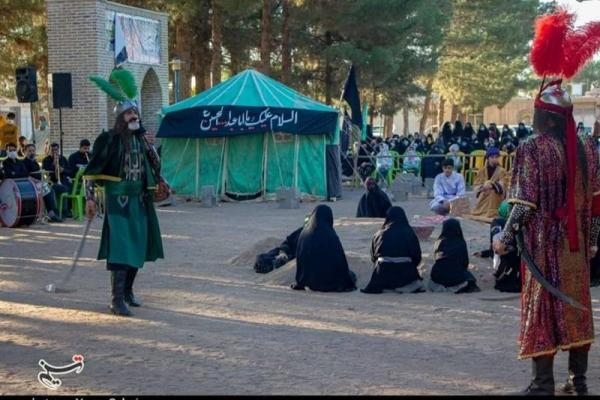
48 165
76 159
14 169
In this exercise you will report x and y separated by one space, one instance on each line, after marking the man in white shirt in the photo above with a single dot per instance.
448 186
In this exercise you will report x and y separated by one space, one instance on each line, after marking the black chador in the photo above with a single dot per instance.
277 257
396 253
374 203
450 272
508 272
321 263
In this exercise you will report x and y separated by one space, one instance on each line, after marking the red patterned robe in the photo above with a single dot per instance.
539 181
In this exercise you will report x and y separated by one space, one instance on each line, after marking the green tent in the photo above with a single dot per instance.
247 137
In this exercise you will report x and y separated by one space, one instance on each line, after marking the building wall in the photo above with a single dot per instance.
78 44
585 109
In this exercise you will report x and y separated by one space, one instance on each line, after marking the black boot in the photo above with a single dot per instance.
576 384
129 296
543 377
118 305
542 383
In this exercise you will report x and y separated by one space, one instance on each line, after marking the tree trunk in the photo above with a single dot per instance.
202 54
216 36
441 115
265 38
388 126
454 113
426 106
236 62
183 49
405 117
372 110
286 54
328 71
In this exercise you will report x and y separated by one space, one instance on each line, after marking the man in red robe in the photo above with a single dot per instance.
554 201
555 197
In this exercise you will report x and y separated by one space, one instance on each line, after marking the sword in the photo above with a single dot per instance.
537 274
59 287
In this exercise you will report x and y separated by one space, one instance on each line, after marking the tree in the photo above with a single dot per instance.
484 55
589 76
216 42
265 37
22 42
396 46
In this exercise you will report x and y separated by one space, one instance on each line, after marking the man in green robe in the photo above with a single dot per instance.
130 234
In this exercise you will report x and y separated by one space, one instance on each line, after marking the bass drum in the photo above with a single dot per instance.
20 202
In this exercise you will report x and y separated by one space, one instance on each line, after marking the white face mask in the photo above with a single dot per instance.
133 125
12 154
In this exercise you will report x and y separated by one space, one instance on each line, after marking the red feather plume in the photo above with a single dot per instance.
579 47
547 49
558 48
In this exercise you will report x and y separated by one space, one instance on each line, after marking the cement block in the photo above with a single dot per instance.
208 197
288 198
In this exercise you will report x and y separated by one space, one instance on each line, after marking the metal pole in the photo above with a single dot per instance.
60 129
176 86
32 123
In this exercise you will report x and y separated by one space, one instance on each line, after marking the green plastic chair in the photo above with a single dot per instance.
77 197
388 177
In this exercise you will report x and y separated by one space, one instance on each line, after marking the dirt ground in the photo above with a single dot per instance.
211 325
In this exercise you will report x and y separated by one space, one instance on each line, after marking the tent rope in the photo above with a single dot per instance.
221 165
181 159
277 156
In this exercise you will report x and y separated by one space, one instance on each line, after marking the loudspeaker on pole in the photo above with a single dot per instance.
62 91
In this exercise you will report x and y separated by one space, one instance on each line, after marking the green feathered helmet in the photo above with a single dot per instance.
121 87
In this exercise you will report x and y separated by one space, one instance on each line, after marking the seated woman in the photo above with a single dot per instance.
321 263
503 211
508 266
396 253
450 271
374 203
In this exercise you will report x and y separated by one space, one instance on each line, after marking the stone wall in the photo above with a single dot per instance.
78 43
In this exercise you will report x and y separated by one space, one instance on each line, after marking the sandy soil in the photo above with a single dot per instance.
211 325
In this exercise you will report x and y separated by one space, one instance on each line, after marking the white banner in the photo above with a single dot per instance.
137 40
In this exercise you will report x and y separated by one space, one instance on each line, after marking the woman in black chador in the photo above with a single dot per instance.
450 271
508 270
469 132
446 134
396 253
374 203
321 263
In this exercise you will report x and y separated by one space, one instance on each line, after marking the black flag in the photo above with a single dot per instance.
352 97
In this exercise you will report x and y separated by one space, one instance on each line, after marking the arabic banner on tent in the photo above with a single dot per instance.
232 120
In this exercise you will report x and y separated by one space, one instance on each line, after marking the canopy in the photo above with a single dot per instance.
247 103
